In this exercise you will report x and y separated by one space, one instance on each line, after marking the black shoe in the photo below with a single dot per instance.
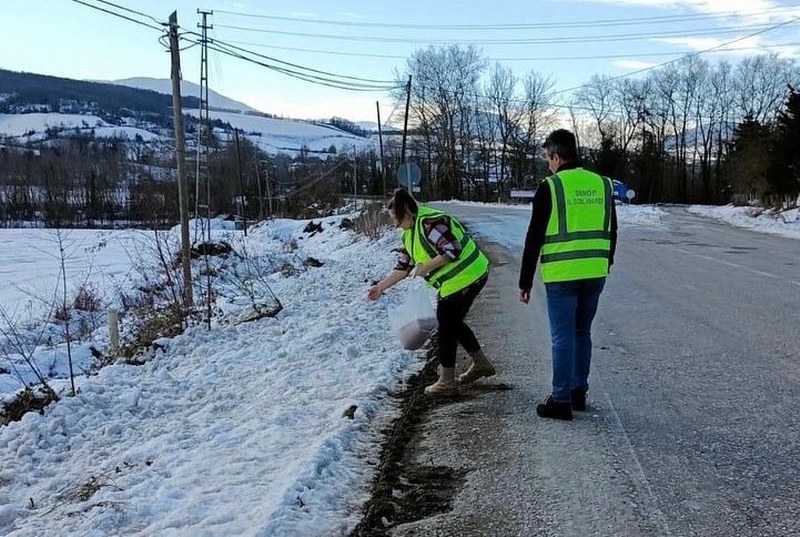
551 409
578 400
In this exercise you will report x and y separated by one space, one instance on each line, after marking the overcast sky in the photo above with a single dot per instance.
369 39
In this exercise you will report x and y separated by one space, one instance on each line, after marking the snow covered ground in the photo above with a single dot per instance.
786 223
288 136
234 431
272 135
19 125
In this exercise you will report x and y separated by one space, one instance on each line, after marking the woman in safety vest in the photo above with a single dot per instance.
436 247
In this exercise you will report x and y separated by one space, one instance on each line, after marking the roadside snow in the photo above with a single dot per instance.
233 431
786 223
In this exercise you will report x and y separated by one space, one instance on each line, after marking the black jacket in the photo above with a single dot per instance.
534 240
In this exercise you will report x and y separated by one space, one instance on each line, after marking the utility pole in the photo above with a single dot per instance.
269 188
241 181
205 114
380 139
260 194
180 156
355 174
205 121
405 121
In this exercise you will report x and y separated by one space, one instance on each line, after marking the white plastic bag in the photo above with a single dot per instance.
414 320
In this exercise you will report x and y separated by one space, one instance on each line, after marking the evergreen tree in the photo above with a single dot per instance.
784 169
749 159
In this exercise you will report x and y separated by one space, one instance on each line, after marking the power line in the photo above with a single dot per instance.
694 54
227 44
522 41
509 26
536 58
129 10
323 81
98 8
300 72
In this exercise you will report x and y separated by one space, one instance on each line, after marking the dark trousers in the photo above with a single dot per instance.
571 307
451 312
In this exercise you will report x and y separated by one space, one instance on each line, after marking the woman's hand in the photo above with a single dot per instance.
419 271
375 292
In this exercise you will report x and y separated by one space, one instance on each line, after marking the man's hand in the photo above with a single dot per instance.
524 295
375 292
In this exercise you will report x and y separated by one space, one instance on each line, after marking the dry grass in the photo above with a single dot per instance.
372 222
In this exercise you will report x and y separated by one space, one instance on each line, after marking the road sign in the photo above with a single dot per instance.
522 193
630 194
409 175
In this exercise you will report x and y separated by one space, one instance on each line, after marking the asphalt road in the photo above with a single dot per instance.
694 419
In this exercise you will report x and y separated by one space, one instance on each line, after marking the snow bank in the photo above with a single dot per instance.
233 431
786 223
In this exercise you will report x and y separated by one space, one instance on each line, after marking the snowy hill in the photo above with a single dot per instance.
35 126
164 85
36 107
290 136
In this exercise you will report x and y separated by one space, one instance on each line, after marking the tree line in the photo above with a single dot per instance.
684 133
76 179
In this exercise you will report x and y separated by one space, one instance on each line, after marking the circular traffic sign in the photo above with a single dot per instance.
409 175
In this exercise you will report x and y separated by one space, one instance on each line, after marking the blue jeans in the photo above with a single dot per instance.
571 307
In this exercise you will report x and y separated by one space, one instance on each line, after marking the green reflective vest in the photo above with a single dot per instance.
577 243
459 274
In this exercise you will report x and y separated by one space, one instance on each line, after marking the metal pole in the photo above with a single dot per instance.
380 139
405 120
180 150
355 174
241 181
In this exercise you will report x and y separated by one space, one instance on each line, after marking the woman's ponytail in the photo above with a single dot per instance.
402 203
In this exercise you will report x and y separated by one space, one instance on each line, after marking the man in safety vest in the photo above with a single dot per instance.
573 233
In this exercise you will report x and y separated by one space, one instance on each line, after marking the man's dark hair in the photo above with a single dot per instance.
562 142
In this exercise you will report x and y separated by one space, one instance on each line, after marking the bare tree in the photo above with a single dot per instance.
443 107
500 93
536 118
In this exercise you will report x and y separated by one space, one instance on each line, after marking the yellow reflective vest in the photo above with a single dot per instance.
577 243
456 275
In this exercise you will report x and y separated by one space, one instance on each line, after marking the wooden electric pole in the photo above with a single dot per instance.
180 157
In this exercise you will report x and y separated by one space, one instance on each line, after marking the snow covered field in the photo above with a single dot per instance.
20 125
289 136
786 223
272 135
234 431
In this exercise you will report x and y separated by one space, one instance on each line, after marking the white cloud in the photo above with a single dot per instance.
751 46
755 11
634 64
